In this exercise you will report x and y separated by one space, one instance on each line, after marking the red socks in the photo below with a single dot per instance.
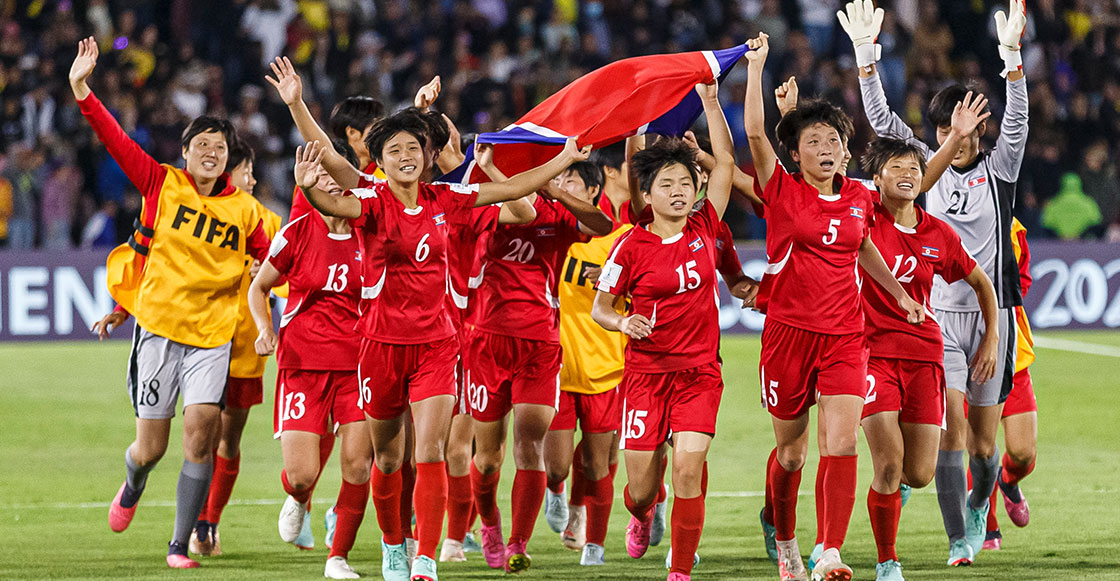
768 497
687 523
818 496
485 488
601 495
408 488
1013 473
579 479
430 502
221 486
350 509
784 486
301 496
840 482
556 487
884 510
459 501
528 494
993 522
641 513
385 489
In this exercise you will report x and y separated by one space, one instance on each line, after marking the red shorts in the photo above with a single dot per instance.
1021 400
597 413
798 365
392 376
914 389
504 370
308 401
656 405
244 392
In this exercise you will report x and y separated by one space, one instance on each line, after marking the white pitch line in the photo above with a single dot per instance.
1076 346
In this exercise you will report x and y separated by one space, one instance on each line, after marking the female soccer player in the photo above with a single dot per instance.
671 383
317 386
409 349
813 347
184 319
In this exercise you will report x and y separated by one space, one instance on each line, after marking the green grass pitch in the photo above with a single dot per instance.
66 421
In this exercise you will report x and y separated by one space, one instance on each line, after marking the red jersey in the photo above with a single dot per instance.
405 261
322 269
462 256
519 272
727 258
625 211
672 282
812 246
914 256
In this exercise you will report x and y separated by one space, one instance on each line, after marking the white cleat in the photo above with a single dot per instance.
592 555
790 565
411 545
292 515
657 527
831 568
452 551
338 568
555 510
669 559
575 534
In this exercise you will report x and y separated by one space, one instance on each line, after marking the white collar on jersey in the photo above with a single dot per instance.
414 211
334 236
905 229
831 198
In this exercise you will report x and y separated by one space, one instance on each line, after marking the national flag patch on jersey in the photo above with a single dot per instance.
857 212
972 183
358 255
930 252
696 245
440 221
546 231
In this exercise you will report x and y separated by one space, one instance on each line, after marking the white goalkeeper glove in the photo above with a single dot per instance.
862 22
1010 32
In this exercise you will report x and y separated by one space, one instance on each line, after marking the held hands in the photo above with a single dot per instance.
759 49
635 326
107 323
592 273
786 96
287 82
266 342
309 165
915 312
862 22
968 114
746 289
427 94
83 67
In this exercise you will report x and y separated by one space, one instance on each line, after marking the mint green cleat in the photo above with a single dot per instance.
960 554
769 536
394 562
424 569
330 519
976 526
904 491
889 571
818 550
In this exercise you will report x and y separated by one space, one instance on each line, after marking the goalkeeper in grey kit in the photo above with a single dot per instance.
975 196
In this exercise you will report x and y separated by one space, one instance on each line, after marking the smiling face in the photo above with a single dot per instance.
672 193
402 158
206 155
970 147
900 178
820 152
242 176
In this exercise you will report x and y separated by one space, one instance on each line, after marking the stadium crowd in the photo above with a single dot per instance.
172 61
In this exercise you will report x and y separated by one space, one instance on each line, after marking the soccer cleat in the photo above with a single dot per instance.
678 577
815 555
657 527
493 547
338 568
1018 512
975 526
904 491
119 516
637 537
960 553
305 541
830 568
451 551
769 537
669 559
290 523
592 555
517 558
394 562
201 543
330 520
177 557
790 565
470 544
424 569
555 510
889 571
575 534
216 550
993 541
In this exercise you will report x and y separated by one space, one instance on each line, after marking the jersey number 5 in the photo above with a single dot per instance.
693 276
832 231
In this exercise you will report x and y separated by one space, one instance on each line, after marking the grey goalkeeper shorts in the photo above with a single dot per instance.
963 333
159 370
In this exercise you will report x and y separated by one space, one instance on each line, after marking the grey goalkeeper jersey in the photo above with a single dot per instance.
975 200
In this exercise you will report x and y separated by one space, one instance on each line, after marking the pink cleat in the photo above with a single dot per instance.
637 537
1018 512
678 577
119 516
517 558
992 544
493 547
181 562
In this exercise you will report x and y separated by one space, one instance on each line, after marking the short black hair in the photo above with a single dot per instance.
387 127
356 112
438 131
590 173
239 152
208 124
648 162
884 149
940 111
809 113
613 155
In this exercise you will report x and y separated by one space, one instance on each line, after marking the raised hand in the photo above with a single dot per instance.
427 94
1009 29
636 327
709 91
576 153
759 49
83 67
484 154
969 113
287 82
786 96
309 165
862 21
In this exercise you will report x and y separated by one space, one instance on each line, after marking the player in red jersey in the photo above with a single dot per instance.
316 388
812 345
671 383
513 361
905 404
409 348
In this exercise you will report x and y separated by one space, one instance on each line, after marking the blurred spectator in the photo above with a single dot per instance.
1099 179
100 230
25 178
5 210
60 197
1071 213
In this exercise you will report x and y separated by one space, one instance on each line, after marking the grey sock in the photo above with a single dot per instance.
137 476
952 485
194 484
984 474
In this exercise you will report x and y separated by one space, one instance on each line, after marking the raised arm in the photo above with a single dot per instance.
872 262
142 170
634 144
308 170
451 156
1007 157
723 149
967 115
290 88
592 220
266 278
531 180
754 117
